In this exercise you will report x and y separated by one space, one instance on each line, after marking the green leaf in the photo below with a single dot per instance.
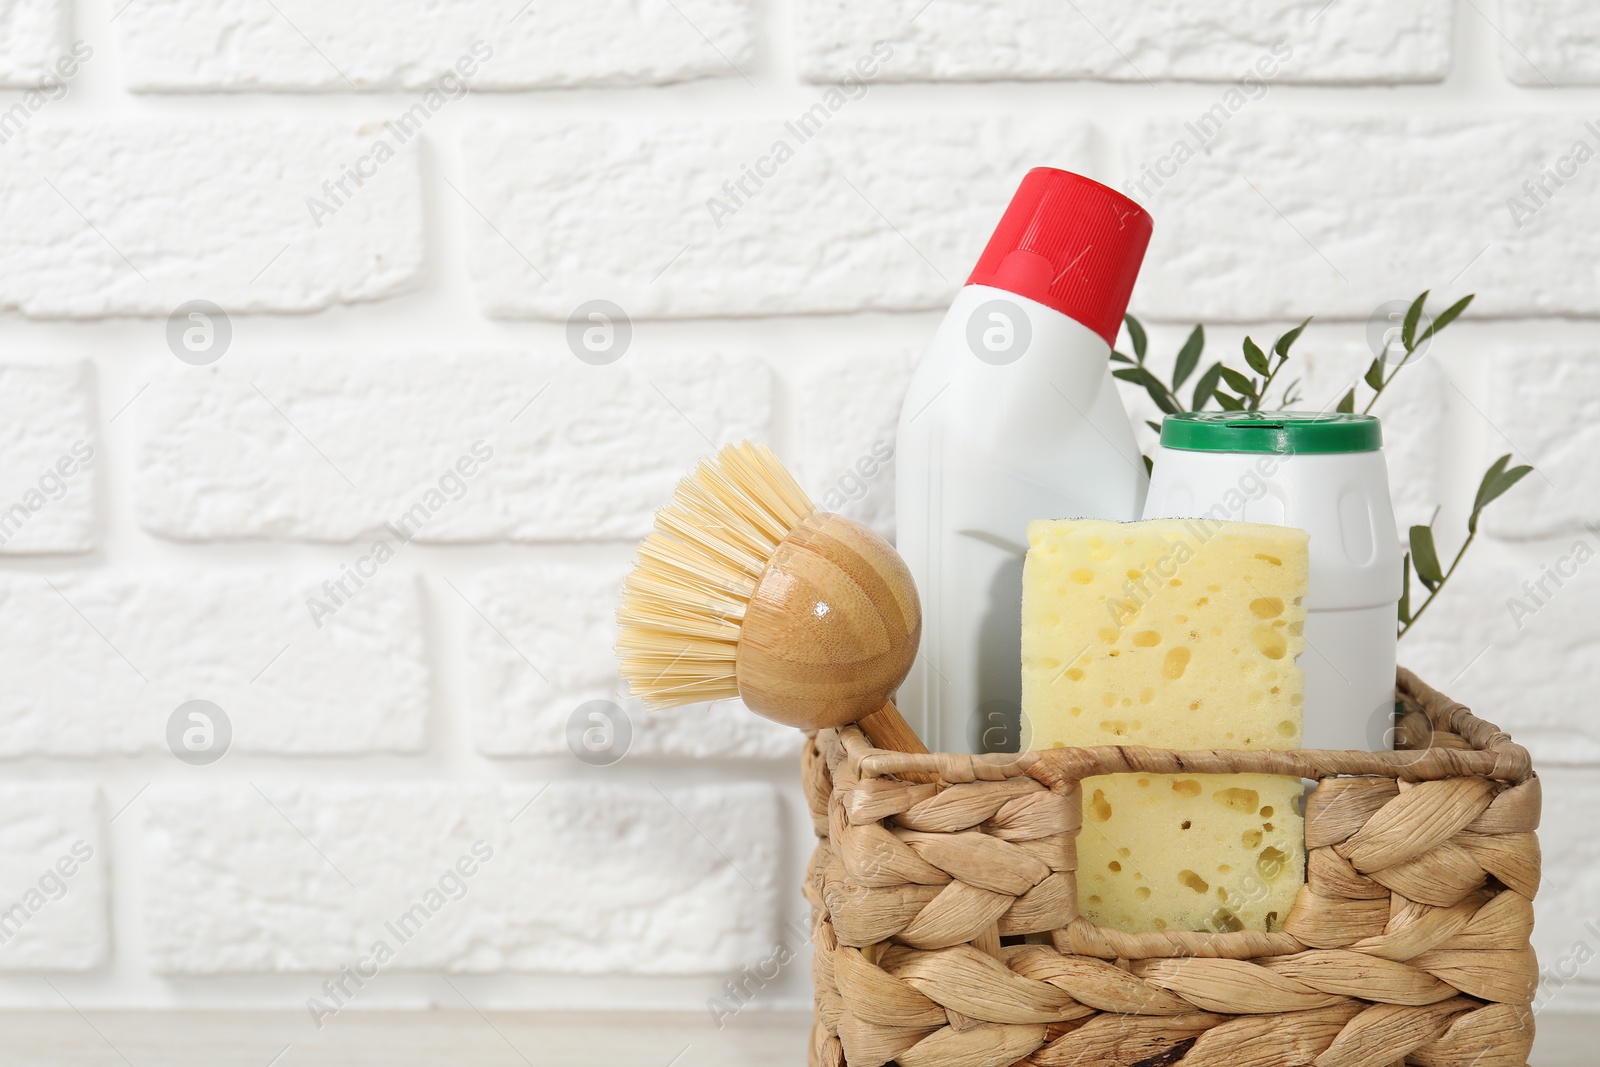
1374 375
1118 357
1256 358
1425 557
1408 331
1496 469
1238 382
1405 590
1229 403
1348 403
1290 396
1497 480
1156 426
1188 357
1449 315
1206 387
1149 466
1152 385
1288 339
1136 334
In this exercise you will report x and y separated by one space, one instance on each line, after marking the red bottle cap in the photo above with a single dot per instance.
1071 244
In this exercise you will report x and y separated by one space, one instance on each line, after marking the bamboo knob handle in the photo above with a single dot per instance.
831 629
830 632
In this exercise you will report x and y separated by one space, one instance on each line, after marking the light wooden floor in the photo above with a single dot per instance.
495 1039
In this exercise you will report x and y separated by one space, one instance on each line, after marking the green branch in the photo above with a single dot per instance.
1246 389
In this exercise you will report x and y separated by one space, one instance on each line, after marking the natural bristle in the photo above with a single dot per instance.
683 604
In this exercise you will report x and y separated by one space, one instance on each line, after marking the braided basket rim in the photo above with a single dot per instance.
1493 754
1442 977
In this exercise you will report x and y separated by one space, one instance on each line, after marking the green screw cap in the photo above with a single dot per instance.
1284 432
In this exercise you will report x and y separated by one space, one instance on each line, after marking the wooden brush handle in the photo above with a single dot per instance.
887 728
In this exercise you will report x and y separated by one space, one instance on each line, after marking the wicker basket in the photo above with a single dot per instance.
1408 945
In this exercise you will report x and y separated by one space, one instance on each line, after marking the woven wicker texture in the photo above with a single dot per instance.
1408 945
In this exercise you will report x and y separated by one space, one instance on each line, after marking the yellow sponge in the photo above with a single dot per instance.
1172 633
1148 633
1190 852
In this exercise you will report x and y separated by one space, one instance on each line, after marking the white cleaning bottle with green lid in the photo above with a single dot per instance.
1012 415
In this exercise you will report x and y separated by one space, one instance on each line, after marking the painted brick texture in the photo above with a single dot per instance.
540 650
137 217
443 449
1358 235
1546 45
97 660
1365 41
727 218
301 45
53 878
47 434
302 878
33 35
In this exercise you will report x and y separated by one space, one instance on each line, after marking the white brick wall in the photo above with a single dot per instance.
1422 202
1545 404
1570 889
33 35
1550 43
540 648
376 329
1302 40
443 448
849 407
47 434
97 660
1503 642
53 878
728 218
137 217
270 877
300 45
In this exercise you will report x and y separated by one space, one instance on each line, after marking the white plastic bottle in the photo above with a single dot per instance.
1012 415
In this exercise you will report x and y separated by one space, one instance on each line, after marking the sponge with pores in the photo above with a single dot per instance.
1217 852
1172 633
